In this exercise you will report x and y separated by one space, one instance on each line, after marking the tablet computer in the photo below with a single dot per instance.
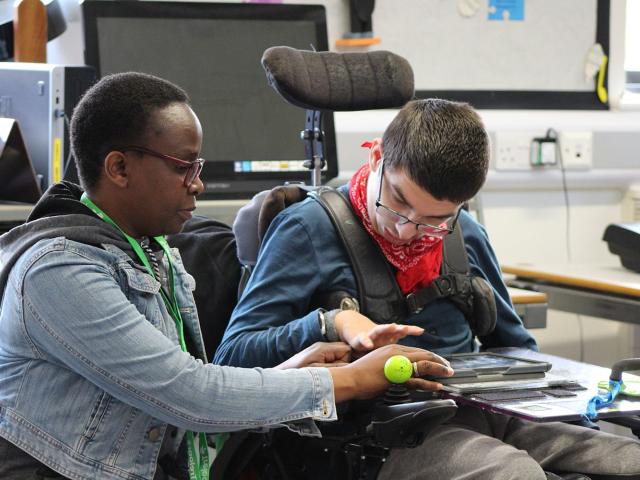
492 367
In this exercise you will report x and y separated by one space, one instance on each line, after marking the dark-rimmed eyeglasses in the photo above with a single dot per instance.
193 168
440 231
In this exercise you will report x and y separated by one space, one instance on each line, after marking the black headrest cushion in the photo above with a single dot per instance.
339 81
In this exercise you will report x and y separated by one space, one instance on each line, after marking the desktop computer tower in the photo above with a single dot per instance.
41 97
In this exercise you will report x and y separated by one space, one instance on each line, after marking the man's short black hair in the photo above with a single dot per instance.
441 145
116 112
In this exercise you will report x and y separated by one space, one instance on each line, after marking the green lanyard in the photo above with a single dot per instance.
198 469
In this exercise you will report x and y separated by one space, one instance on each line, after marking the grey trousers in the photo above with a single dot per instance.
480 445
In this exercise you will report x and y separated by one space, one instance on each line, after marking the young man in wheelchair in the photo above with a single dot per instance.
432 158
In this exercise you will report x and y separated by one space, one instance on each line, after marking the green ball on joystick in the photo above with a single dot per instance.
398 369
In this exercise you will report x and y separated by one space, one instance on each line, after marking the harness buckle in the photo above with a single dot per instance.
412 303
445 285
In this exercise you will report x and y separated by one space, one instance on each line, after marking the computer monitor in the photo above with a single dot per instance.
213 51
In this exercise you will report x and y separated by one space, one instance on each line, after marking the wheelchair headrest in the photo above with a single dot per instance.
339 81
254 218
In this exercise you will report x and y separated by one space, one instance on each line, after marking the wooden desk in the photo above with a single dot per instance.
530 306
598 290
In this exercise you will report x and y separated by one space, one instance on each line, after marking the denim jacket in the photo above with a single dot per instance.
91 372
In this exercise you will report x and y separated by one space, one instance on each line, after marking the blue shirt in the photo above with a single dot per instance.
302 255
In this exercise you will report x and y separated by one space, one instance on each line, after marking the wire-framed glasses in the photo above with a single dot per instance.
439 231
193 168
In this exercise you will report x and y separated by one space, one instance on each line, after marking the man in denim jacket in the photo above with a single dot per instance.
102 365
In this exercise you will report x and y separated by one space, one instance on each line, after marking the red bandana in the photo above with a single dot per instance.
418 262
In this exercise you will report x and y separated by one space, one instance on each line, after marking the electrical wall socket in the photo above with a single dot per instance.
512 150
577 149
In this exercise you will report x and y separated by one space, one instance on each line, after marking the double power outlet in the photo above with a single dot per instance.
513 151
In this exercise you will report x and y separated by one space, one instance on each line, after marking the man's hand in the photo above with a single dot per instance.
364 335
365 378
320 354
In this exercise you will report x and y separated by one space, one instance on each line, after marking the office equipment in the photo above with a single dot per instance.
624 240
41 97
565 402
249 133
19 182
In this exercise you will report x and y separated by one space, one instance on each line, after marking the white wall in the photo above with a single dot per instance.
530 226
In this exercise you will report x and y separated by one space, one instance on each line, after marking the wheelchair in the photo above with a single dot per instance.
355 446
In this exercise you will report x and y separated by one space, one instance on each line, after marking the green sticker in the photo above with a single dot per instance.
629 387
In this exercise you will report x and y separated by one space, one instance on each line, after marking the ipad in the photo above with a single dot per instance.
492 367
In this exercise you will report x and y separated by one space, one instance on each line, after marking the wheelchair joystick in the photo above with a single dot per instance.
397 420
398 369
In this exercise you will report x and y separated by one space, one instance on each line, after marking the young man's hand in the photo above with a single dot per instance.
364 335
320 354
364 378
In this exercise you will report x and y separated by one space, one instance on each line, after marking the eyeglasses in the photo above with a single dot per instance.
440 231
193 168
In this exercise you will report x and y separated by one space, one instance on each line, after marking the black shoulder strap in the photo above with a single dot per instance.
454 255
379 295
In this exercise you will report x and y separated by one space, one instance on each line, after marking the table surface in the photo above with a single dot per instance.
520 296
551 408
605 278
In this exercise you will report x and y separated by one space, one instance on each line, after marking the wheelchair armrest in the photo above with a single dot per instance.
406 425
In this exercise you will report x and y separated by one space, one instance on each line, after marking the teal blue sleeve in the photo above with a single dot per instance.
272 321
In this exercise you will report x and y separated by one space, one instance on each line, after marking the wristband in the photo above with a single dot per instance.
330 325
323 323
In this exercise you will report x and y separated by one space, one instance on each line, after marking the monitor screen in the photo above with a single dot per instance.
213 50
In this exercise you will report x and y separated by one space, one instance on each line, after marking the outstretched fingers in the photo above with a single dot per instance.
390 333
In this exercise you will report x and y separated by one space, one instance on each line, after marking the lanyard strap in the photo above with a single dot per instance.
605 400
198 468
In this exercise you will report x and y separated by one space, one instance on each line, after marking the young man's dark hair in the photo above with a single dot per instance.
113 113
442 146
